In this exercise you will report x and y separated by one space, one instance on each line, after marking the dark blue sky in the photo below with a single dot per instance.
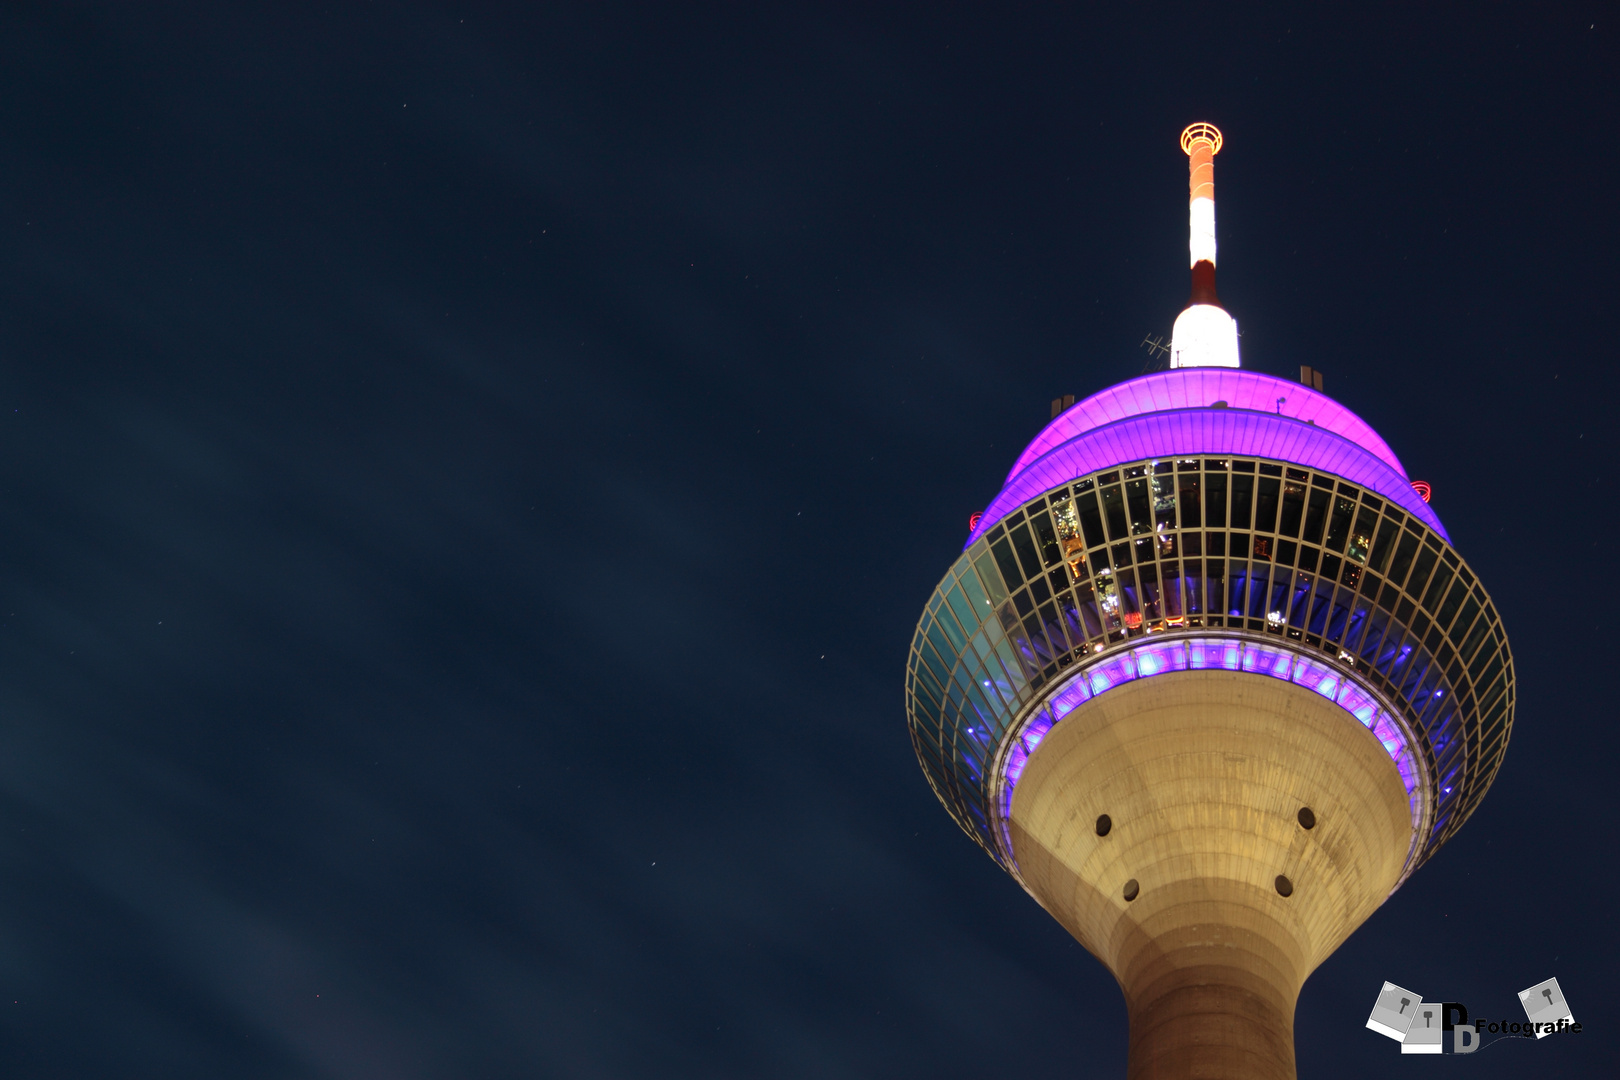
469 476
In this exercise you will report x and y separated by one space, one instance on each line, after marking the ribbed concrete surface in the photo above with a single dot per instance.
1203 774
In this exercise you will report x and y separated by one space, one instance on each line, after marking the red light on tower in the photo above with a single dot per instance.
1423 489
974 519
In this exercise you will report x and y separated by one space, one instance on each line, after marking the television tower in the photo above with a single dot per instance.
1209 681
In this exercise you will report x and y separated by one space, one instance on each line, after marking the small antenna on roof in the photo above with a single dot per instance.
1158 352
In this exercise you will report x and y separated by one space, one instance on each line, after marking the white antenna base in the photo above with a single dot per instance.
1205 336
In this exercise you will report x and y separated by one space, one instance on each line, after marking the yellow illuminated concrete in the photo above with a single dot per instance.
1203 774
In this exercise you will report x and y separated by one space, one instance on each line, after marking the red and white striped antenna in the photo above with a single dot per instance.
1205 335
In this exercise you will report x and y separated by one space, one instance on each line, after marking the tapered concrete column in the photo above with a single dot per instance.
1203 775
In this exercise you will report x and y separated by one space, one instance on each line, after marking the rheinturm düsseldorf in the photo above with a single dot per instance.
1209 680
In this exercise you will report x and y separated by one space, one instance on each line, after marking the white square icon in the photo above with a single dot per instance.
1393 1011
1544 1004
1427 1030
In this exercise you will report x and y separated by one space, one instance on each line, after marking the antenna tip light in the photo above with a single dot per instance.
1201 133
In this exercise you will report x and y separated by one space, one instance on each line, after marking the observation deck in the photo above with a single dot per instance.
1209 519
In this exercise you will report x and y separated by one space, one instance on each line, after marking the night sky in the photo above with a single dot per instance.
469 479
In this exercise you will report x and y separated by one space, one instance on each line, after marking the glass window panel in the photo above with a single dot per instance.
990 578
1128 597
1190 500
932 670
1448 610
1277 603
1170 587
1342 602
1420 572
1405 657
1321 606
1361 609
946 622
1113 504
1035 632
1215 500
1086 598
1046 540
1361 535
1339 523
1194 585
964 610
942 644
1136 498
1437 588
1024 545
1389 651
1265 506
1466 622
1299 602
1071 546
1147 578
1215 581
1023 650
1316 515
1008 563
1492 669
1108 602
1242 501
1259 590
1069 614
1090 518
1164 499
977 600
1052 622
1403 559
1293 505
1383 546
1237 592
1372 643
1418 668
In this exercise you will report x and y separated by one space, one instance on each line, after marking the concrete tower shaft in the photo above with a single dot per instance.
1204 777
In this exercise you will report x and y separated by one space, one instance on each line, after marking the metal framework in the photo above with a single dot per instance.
1199 546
